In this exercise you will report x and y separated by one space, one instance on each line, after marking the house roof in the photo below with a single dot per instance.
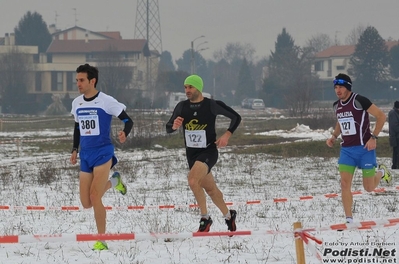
390 44
111 34
55 34
337 51
98 45
346 50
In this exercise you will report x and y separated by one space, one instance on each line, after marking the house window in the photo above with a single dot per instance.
340 68
57 81
136 56
89 57
318 66
140 76
71 81
38 82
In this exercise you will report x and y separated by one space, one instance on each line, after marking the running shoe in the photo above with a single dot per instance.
120 186
387 177
205 224
231 223
100 245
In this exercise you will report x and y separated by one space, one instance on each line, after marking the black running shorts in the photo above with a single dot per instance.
207 156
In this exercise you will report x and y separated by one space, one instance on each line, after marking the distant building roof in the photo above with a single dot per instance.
98 45
60 32
111 34
390 44
346 50
337 51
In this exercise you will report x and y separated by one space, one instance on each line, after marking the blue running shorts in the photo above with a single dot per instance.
358 156
94 157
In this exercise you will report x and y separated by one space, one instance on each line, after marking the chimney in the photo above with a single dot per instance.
6 40
87 37
12 39
52 29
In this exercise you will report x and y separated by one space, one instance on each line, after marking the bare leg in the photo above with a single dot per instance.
346 192
370 183
97 190
208 183
195 177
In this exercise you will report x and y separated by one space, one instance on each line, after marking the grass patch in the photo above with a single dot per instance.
244 140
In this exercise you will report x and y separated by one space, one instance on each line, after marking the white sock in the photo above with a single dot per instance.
349 219
114 181
227 216
206 216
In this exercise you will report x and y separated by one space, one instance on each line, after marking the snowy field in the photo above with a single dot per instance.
157 178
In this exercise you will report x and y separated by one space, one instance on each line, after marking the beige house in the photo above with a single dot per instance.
329 62
54 71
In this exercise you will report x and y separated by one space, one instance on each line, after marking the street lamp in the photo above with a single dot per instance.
198 51
192 53
199 45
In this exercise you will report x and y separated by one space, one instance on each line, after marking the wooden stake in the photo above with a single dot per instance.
300 251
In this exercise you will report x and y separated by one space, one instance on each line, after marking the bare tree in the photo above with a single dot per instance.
14 77
235 50
115 73
319 42
354 35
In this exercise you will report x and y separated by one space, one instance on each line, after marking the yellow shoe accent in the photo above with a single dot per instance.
387 177
120 186
99 245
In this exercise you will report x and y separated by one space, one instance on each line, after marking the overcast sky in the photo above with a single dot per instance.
221 21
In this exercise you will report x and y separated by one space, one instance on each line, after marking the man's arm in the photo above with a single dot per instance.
128 122
380 118
176 113
76 137
337 131
220 108
334 135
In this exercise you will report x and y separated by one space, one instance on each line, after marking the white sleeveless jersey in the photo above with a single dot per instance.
94 118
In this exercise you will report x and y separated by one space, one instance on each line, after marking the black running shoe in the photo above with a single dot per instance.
205 224
231 223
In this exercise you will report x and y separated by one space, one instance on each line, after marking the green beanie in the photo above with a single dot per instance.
195 81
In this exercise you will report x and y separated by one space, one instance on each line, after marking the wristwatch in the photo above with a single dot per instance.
74 149
374 136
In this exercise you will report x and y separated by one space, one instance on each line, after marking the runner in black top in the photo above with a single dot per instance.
197 116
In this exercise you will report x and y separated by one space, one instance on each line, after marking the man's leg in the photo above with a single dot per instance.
346 192
371 182
97 190
195 177
85 180
395 157
208 183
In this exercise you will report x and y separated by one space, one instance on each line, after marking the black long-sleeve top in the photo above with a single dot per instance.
202 116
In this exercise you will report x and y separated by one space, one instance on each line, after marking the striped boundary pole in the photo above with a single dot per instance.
153 236
125 236
172 206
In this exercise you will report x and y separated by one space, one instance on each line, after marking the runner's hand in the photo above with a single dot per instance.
177 123
122 137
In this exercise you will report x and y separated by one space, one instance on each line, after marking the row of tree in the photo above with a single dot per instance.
282 80
285 79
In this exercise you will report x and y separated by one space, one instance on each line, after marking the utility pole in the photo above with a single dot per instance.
192 54
148 26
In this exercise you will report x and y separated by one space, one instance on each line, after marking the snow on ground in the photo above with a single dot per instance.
159 178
